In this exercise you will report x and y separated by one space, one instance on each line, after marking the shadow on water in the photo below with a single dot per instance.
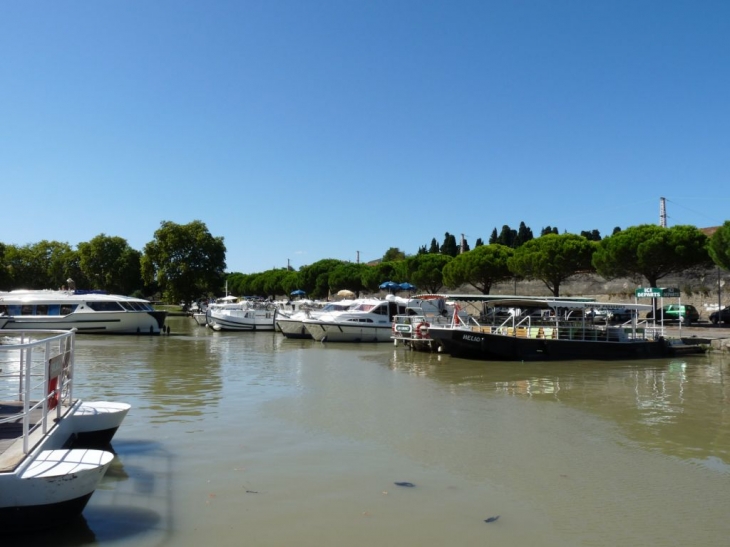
132 503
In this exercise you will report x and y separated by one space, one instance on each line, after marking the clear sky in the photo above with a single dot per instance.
307 129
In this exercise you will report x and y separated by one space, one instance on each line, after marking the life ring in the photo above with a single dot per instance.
422 330
52 393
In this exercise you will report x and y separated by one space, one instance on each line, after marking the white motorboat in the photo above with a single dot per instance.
49 461
86 311
369 320
292 325
245 315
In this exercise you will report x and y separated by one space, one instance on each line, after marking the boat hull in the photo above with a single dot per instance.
123 322
236 320
292 328
480 345
54 487
342 332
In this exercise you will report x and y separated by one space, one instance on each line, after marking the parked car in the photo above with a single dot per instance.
619 315
685 313
721 316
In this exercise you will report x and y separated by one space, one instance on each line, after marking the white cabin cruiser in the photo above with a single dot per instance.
86 311
369 320
245 315
292 325
52 454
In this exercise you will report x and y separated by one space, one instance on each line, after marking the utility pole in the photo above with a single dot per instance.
662 213
358 257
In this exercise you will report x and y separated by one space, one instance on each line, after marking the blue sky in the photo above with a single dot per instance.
302 130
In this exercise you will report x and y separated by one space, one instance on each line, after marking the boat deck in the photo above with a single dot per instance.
11 432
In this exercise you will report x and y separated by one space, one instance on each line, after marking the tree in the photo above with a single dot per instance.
42 265
719 246
652 252
347 276
494 237
481 268
373 276
185 260
315 277
394 253
548 230
4 270
434 248
524 234
552 259
478 243
449 246
507 236
592 235
111 264
426 271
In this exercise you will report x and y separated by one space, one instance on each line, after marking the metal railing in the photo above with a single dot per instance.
36 370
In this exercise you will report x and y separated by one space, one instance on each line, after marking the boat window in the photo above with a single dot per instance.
381 310
3 310
67 308
127 306
54 309
104 306
26 309
13 309
41 309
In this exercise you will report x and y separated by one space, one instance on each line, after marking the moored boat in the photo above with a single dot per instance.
291 325
563 333
95 312
49 461
369 320
244 315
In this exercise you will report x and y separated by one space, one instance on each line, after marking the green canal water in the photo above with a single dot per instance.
251 439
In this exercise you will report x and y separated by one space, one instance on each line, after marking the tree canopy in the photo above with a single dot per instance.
111 264
651 251
425 271
481 267
185 260
552 259
719 246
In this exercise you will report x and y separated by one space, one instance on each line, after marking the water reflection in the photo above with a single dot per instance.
679 407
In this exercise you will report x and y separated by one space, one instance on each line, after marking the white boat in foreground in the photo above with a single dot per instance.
85 311
49 461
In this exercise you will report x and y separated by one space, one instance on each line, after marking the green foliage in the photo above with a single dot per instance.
449 247
373 276
481 268
425 271
185 260
592 235
315 277
719 246
42 265
552 259
110 264
652 252
348 276
394 253
524 234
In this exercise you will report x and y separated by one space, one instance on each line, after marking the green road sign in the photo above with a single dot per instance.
657 292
